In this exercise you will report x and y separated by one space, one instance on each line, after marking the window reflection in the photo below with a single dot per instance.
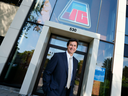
105 52
107 20
126 26
94 6
126 39
41 11
80 59
28 39
125 63
125 50
19 62
126 21
125 77
60 41
104 60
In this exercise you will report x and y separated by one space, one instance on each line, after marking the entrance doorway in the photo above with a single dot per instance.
59 44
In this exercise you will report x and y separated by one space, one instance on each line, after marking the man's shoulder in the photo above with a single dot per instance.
75 59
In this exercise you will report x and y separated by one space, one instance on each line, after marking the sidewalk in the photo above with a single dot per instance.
8 91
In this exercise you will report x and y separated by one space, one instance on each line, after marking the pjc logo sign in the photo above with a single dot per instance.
76 13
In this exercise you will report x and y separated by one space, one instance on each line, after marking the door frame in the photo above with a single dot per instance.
61 48
66 31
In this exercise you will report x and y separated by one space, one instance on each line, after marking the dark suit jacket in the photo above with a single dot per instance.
56 73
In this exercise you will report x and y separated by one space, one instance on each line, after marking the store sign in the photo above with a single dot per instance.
76 13
99 74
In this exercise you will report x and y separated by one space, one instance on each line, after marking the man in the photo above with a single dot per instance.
59 75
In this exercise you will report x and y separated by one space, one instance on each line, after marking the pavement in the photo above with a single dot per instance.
8 91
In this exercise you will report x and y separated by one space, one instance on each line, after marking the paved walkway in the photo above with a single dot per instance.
8 91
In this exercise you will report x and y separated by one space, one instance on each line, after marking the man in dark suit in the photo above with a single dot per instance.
59 75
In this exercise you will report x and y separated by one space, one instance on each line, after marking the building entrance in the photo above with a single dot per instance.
59 44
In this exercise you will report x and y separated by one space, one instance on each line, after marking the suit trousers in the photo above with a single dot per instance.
67 91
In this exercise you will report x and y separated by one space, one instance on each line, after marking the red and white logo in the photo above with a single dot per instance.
76 13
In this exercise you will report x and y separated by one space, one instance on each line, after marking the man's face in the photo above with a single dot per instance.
71 48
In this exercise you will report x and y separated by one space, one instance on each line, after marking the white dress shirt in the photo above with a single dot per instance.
68 56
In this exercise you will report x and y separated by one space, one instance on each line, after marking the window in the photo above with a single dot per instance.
125 63
107 21
63 9
104 61
17 65
41 11
125 77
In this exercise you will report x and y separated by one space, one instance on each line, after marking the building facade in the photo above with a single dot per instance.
42 27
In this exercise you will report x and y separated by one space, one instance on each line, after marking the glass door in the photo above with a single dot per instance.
59 44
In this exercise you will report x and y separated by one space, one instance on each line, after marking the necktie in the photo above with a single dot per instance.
69 74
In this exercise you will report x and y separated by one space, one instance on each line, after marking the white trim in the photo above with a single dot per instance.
13 32
118 54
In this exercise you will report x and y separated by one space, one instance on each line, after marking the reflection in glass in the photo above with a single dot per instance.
125 50
41 11
80 59
126 22
126 39
125 78
105 52
60 41
104 60
126 25
93 10
107 20
19 62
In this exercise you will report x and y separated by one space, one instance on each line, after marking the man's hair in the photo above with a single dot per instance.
72 40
